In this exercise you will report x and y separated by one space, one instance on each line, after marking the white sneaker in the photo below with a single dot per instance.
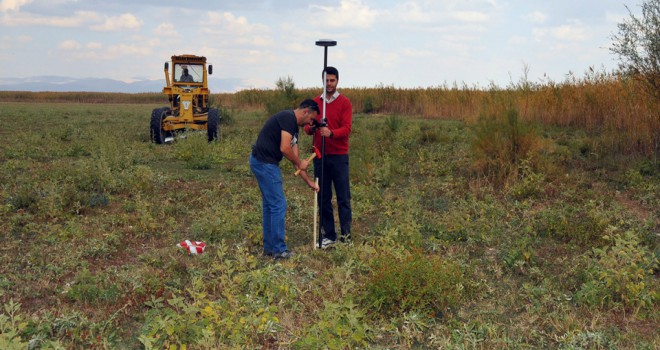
327 243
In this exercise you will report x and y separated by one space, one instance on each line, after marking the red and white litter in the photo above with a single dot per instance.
193 247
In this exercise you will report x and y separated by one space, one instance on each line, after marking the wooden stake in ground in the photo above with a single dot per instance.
316 209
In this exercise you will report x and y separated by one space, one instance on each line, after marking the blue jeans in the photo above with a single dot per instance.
269 178
335 174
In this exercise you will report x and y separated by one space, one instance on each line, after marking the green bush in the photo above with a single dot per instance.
286 96
500 143
91 288
578 223
622 274
393 124
417 282
368 106
530 184
341 326
195 150
12 325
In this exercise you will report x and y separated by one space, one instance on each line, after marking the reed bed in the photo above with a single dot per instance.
612 108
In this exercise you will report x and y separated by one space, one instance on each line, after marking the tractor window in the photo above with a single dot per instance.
188 73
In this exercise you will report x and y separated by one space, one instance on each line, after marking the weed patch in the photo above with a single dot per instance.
414 283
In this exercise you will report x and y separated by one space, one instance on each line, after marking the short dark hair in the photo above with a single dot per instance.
330 70
311 104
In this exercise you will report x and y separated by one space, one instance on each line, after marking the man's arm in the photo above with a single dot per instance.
291 152
345 121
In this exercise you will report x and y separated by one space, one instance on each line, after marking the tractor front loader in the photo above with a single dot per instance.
188 92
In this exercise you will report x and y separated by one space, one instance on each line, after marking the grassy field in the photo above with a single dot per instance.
492 234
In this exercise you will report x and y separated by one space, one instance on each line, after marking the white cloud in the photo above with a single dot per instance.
298 47
411 52
412 12
228 21
574 31
380 58
471 16
236 30
79 18
166 29
418 11
70 45
95 51
570 33
7 42
536 17
94 45
124 21
616 17
517 40
128 50
12 5
349 14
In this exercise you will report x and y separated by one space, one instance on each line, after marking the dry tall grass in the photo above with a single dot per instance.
610 107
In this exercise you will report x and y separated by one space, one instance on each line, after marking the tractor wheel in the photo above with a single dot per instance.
158 135
213 124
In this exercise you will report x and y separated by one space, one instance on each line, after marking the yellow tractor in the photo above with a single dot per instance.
188 93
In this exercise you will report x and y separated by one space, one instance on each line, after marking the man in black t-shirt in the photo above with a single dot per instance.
278 139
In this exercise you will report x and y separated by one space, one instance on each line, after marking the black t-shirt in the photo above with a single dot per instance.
267 147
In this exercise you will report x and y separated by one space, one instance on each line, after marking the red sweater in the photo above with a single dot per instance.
339 115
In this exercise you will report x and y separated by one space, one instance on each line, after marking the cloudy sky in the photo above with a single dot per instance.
407 43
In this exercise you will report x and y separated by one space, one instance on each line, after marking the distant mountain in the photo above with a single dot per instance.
60 84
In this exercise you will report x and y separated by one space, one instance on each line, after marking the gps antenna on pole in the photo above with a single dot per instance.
325 43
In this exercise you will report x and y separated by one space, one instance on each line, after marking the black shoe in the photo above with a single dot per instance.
265 253
282 255
345 238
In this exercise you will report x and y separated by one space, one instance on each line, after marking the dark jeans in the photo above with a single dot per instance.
335 171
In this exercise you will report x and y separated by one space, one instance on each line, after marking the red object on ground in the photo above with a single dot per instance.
192 247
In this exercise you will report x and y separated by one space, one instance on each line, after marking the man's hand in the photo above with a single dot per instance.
312 185
308 181
303 165
325 131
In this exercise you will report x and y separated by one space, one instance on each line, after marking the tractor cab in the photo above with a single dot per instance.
188 73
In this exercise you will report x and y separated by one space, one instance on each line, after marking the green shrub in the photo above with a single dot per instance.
368 105
12 325
529 184
286 96
585 340
179 324
195 151
501 143
415 282
340 326
577 223
521 254
25 197
622 274
140 179
428 135
393 124
91 288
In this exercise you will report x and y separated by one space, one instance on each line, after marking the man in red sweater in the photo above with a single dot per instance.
339 118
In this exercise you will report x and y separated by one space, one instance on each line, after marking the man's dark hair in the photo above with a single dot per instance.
330 70
311 104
